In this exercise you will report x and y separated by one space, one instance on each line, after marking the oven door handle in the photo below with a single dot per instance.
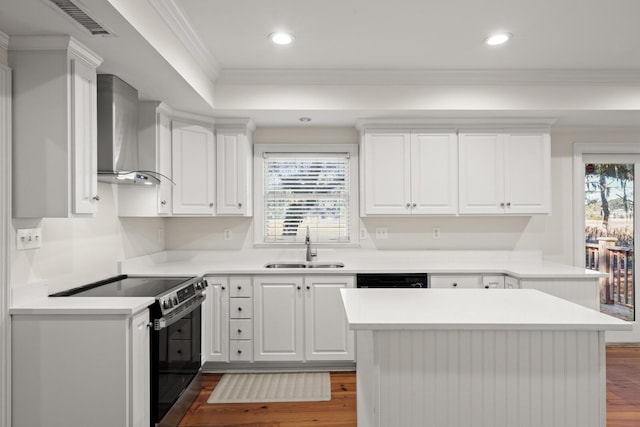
163 322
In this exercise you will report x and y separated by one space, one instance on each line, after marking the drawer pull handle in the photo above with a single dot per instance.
239 288
308 287
222 287
239 331
239 308
299 287
239 351
455 285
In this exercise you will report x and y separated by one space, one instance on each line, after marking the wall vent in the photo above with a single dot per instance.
80 15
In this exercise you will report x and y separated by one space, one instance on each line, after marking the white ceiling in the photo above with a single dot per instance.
343 45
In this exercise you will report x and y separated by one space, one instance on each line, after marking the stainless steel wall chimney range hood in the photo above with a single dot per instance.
118 134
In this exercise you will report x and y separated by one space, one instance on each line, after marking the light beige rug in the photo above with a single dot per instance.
272 387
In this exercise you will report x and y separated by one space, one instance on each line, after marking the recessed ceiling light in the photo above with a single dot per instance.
281 38
498 38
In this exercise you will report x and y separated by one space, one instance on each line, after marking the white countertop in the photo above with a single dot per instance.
83 306
477 309
519 264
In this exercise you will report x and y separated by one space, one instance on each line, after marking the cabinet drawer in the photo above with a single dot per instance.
240 308
240 350
493 282
179 350
241 329
464 282
240 287
181 330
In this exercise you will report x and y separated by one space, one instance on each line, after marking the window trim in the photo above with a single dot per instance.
258 193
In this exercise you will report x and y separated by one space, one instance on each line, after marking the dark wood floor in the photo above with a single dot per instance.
623 401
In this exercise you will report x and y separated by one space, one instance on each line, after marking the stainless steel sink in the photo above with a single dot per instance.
325 265
286 265
304 265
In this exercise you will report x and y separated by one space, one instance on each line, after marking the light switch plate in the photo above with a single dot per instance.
228 235
382 233
28 238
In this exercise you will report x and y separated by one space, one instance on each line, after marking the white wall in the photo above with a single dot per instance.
77 251
550 234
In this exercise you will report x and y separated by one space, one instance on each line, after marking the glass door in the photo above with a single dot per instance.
609 229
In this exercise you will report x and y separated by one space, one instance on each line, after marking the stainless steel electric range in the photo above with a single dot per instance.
176 357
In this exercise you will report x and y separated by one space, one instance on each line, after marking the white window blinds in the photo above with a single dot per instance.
306 190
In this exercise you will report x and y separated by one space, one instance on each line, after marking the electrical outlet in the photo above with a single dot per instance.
436 232
382 233
28 238
363 233
228 235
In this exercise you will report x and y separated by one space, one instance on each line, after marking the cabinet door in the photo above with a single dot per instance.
216 320
163 161
434 173
193 150
278 318
83 110
527 173
455 282
140 371
481 174
387 177
327 334
233 170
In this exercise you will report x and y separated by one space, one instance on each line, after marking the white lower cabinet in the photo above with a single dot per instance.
301 318
327 333
80 370
580 291
472 281
216 320
279 317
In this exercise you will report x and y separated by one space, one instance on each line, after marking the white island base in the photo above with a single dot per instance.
459 358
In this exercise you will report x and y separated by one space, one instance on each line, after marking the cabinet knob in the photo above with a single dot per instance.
408 205
96 198
211 205
239 351
455 285
239 308
502 205
239 331
239 288
239 205
179 331
414 205
308 287
486 286
222 287
163 202
299 287
508 204
179 351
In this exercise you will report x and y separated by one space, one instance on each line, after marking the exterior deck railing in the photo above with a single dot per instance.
618 287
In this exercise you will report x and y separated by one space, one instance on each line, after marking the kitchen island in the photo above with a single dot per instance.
453 358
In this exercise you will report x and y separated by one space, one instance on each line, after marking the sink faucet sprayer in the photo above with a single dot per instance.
311 253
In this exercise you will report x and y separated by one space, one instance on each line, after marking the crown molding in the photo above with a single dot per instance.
226 123
177 20
43 43
566 77
457 123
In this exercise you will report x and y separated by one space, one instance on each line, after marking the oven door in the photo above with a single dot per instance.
176 361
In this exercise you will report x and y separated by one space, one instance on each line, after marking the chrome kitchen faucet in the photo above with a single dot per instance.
311 253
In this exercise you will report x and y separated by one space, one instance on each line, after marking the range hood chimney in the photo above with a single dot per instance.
118 134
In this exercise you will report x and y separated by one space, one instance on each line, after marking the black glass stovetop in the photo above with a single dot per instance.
125 286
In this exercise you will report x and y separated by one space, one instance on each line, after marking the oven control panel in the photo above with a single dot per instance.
183 295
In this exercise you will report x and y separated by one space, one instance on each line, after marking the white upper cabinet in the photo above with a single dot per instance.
234 159
193 149
505 173
55 127
409 172
154 154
